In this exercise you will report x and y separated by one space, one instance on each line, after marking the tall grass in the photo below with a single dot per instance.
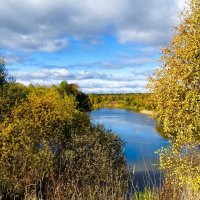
158 186
169 189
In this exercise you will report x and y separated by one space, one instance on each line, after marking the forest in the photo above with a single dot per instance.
135 101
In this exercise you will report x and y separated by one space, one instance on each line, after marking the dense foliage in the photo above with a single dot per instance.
135 102
176 98
82 100
50 150
176 86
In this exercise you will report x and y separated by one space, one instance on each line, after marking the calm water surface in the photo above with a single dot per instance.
138 132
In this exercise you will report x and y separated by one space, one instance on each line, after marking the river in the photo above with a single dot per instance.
139 134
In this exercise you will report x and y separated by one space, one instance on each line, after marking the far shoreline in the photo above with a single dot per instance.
146 112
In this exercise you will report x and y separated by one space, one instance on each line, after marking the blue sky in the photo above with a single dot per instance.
103 46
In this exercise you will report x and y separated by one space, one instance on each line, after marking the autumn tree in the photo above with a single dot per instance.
50 150
12 94
82 99
31 138
176 101
176 86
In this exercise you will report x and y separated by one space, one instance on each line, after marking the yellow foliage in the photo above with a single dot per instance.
176 86
182 164
32 135
176 100
50 150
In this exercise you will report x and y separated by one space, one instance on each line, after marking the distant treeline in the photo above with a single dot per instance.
133 101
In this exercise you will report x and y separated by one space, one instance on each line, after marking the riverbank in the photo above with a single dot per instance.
146 112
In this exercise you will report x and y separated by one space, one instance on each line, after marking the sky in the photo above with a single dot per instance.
104 46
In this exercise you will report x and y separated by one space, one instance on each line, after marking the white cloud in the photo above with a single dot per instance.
41 74
45 25
88 81
149 37
112 86
55 74
50 26
53 45
120 62
135 61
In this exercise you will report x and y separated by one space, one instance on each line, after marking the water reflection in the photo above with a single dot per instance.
139 133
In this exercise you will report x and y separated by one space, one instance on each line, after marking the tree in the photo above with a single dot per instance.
32 138
12 95
3 74
63 88
50 150
83 101
176 101
176 86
